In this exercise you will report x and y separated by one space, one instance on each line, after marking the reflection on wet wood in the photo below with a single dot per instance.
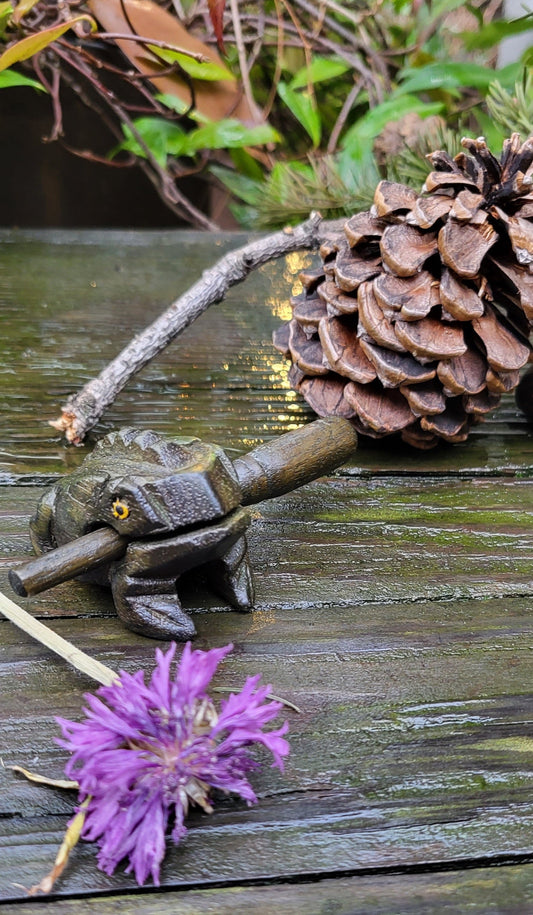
394 609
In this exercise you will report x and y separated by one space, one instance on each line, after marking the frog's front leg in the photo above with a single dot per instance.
150 606
144 581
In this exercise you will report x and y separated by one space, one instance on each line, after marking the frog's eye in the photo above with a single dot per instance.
120 510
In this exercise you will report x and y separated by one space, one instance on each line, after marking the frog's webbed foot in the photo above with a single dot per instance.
151 607
231 576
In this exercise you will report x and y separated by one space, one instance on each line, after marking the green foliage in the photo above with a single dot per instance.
449 75
357 141
320 70
491 34
6 12
296 188
303 106
512 111
10 78
32 44
163 139
205 69
337 95
448 79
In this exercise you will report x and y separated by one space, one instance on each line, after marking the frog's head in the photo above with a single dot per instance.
145 499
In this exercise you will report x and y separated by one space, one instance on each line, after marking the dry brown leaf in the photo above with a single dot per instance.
214 99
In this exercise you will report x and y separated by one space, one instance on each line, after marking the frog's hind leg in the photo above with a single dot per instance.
231 577
150 606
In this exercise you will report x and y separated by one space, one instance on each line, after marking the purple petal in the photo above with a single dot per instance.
149 847
196 670
160 680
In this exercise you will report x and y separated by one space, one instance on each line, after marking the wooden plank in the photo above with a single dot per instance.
348 541
88 291
402 685
394 606
342 842
504 889
430 762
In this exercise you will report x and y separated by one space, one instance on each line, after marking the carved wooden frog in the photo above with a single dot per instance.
141 511
178 501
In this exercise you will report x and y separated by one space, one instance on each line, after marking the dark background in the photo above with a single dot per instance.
43 185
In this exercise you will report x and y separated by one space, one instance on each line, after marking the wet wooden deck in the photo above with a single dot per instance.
394 608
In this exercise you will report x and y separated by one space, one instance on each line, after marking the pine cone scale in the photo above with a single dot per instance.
463 247
421 315
374 321
461 301
405 249
504 351
344 350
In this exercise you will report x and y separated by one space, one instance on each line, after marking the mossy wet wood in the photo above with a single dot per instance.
394 609
509 891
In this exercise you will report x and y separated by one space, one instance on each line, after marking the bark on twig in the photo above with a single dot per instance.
83 410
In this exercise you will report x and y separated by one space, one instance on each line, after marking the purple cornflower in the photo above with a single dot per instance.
146 752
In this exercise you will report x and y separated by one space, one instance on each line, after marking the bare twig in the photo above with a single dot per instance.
159 176
164 45
83 410
280 40
241 51
343 116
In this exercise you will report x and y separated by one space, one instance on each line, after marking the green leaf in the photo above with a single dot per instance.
9 78
491 34
246 216
161 137
361 180
31 45
527 61
243 187
180 107
230 133
6 12
359 138
445 75
443 7
206 70
320 69
165 138
304 110
510 74
246 164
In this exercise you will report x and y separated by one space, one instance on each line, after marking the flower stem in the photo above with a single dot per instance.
69 842
56 643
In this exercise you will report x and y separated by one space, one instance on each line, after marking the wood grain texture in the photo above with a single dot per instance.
394 609
508 890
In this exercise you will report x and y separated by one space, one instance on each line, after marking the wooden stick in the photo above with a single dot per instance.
55 643
67 561
83 410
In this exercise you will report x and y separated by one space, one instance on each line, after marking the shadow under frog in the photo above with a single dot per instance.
178 502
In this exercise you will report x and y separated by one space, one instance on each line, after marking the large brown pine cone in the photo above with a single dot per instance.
420 317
